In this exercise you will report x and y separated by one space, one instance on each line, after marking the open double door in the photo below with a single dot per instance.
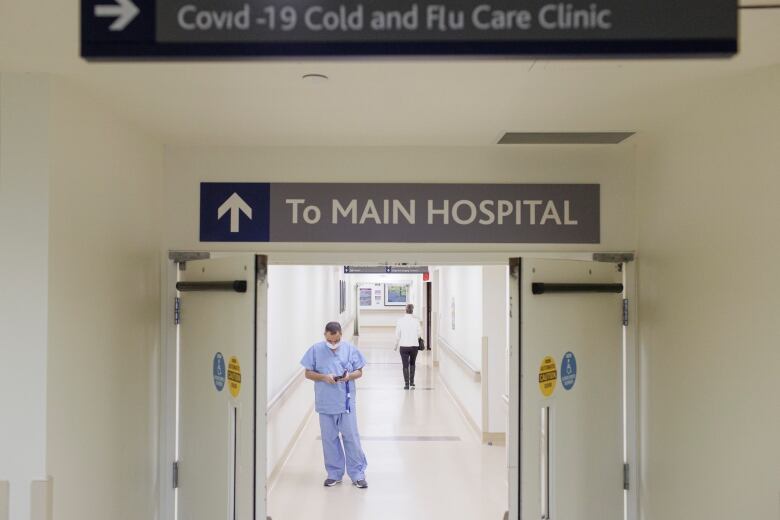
565 434
221 319
567 349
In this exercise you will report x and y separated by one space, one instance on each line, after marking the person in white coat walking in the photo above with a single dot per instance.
407 334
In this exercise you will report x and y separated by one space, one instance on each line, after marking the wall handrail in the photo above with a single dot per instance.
294 381
460 359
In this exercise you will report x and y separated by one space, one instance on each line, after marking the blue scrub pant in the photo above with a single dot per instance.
335 460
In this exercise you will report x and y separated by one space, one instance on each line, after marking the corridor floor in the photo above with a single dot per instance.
424 461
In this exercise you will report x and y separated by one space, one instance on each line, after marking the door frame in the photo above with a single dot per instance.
631 388
169 338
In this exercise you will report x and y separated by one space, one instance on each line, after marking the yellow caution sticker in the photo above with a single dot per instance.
548 376
234 376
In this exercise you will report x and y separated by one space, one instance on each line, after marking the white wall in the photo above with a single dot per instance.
709 253
383 319
301 300
24 258
495 327
104 311
480 298
460 297
611 166
461 287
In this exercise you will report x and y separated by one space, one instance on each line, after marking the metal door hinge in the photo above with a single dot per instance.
177 310
176 475
182 257
261 267
613 258
625 476
514 268
625 312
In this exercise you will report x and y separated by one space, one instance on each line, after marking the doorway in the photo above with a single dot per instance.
531 446
411 437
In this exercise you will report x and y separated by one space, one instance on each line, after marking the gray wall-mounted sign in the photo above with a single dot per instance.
433 213
385 269
212 28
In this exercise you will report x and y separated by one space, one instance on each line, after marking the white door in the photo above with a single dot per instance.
570 413
221 349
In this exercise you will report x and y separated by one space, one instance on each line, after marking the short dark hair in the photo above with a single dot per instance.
410 309
333 327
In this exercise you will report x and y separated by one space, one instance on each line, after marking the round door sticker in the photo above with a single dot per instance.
234 376
568 371
219 371
548 376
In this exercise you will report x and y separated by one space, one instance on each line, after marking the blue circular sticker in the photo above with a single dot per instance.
219 371
568 371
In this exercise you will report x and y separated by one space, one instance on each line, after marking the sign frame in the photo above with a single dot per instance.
136 28
445 213
386 269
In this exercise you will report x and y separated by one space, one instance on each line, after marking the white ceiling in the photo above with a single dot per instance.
376 102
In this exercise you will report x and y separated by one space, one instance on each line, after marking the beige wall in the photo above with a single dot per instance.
709 248
610 166
24 256
104 312
706 196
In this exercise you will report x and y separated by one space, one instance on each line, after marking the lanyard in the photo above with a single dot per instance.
349 395
346 403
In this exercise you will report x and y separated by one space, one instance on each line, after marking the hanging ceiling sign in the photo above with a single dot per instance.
262 28
385 269
423 213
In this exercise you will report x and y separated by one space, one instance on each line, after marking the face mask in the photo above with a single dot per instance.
334 347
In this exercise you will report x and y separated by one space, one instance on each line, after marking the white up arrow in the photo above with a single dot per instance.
125 12
235 205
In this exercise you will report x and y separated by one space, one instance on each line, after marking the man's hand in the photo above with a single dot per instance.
328 378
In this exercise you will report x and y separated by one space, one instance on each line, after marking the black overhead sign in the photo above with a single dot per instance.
264 28
385 269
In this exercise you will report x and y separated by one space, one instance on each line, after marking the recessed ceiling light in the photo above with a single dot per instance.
315 78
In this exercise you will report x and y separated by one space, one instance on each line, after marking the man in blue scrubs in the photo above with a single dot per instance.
334 365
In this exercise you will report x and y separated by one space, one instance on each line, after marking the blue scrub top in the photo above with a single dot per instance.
333 399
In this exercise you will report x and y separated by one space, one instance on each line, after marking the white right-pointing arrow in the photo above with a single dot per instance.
235 205
125 12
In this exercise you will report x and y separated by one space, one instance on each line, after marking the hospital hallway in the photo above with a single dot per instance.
424 460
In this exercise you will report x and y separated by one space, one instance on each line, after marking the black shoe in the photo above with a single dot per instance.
362 484
406 387
412 385
329 482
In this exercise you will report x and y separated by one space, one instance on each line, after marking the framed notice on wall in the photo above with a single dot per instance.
365 296
396 294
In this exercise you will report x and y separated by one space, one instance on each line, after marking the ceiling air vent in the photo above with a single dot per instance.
564 137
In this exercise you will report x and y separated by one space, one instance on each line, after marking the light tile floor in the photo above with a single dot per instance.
424 461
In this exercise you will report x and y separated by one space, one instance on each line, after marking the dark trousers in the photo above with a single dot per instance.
408 359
